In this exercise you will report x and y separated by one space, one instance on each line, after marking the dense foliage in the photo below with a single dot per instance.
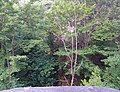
59 42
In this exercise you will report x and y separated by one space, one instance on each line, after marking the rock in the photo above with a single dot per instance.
63 89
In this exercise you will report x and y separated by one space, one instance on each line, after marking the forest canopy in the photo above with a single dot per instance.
59 43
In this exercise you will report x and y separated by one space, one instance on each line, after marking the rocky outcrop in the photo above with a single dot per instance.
63 89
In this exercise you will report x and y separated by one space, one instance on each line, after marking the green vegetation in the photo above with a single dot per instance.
59 42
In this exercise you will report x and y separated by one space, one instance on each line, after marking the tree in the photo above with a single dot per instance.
69 23
22 33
